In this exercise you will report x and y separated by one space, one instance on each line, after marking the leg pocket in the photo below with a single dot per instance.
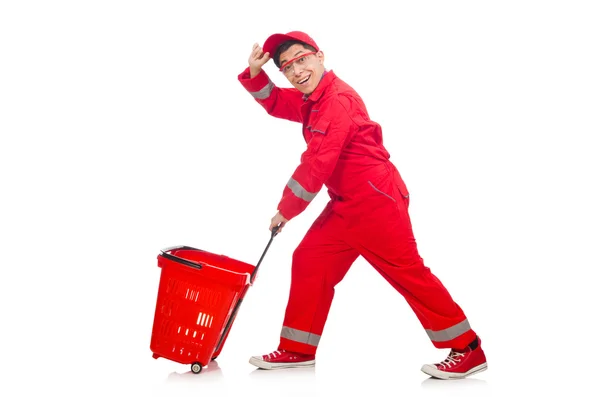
402 189
401 186
381 192
394 190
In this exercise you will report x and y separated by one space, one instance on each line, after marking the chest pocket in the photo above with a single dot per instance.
317 129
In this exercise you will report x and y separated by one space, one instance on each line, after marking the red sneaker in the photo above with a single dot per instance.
283 359
459 364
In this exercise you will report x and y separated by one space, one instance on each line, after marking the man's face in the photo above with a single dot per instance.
303 71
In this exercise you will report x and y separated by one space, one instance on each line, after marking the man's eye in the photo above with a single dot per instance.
301 60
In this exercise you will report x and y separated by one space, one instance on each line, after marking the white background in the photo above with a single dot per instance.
124 130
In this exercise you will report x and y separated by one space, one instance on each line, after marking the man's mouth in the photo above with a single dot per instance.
304 80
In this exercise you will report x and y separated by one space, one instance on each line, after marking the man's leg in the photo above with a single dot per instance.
320 261
385 239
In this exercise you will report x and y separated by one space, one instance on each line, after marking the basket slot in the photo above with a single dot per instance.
187 349
205 320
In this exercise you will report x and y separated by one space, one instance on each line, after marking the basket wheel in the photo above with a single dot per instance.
196 368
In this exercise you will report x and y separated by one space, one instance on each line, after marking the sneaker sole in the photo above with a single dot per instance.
267 365
436 373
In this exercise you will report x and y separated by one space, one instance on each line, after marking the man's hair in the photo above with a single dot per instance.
285 46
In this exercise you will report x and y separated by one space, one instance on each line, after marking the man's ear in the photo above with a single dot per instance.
321 57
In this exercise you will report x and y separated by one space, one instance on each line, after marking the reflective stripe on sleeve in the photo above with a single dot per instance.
299 191
264 92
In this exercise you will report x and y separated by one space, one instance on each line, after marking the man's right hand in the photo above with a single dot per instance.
257 59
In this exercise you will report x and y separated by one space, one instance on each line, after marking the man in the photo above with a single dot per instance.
367 213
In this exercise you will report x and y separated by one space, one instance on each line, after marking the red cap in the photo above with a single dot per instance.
275 40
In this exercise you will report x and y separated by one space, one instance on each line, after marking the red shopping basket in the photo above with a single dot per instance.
199 295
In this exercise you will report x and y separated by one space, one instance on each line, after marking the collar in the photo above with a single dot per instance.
325 82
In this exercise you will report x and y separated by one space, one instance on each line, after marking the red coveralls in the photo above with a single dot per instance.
367 214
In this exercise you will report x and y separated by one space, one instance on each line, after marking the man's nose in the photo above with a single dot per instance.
297 69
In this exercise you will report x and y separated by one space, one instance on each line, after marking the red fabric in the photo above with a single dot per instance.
344 146
367 214
284 103
382 234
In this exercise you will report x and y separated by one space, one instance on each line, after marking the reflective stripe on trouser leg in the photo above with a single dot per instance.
319 263
300 336
445 335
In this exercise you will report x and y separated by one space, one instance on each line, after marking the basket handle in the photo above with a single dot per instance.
165 253
274 232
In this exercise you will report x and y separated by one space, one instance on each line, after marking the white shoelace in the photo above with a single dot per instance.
452 359
275 354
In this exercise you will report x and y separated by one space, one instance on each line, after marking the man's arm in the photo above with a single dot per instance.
330 135
283 103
